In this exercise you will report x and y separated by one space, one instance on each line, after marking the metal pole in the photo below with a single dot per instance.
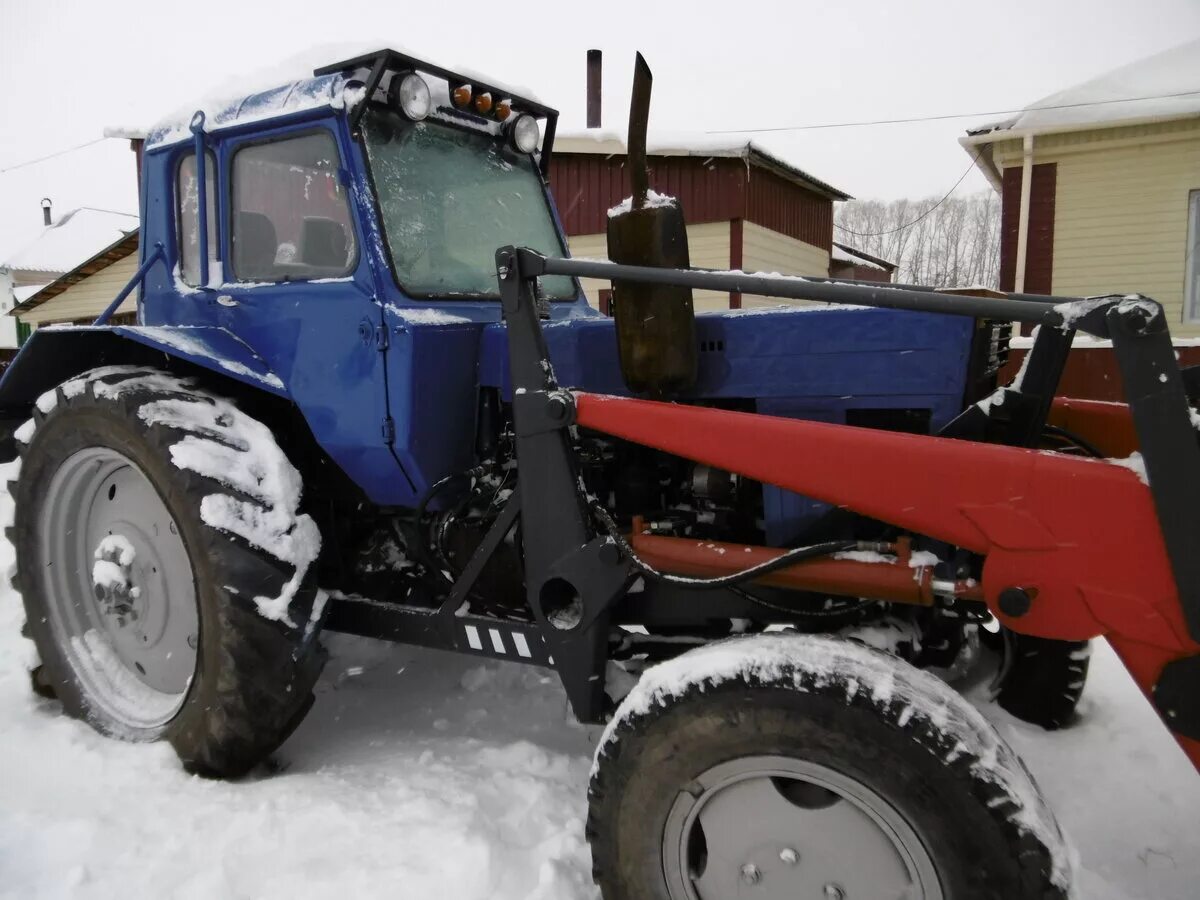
197 127
150 260
799 288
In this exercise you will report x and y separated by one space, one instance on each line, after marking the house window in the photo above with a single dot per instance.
291 219
1191 286
187 214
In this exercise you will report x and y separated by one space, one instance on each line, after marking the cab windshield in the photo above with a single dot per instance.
449 198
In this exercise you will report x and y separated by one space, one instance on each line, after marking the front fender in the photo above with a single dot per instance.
52 355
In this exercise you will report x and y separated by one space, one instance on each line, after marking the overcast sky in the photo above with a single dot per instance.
69 69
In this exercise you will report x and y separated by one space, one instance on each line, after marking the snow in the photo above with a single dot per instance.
114 555
284 87
848 256
178 338
431 775
235 450
425 316
654 200
1135 464
75 238
1143 87
25 291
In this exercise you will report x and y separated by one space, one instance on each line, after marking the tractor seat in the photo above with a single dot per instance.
254 247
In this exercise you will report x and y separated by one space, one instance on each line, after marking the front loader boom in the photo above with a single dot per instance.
1074 548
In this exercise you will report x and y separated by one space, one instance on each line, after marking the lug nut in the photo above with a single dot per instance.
750 873
789 856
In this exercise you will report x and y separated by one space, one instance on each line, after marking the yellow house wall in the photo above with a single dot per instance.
1120 210
764 250
708 248
88 298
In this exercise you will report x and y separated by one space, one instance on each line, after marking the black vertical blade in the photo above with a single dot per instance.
639 120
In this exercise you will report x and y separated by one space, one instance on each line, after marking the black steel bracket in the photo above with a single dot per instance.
572 577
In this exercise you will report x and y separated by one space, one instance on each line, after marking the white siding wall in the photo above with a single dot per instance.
1120 210
88 298
708 248
764 250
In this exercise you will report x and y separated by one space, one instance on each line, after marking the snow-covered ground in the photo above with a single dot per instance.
424 775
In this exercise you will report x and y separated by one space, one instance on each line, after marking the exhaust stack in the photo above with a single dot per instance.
655 323
594 73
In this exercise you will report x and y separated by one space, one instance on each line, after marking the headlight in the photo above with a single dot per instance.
411 94
525 133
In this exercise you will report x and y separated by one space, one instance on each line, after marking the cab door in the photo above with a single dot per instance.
297 289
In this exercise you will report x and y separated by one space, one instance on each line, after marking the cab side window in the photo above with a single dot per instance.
187 214
290 219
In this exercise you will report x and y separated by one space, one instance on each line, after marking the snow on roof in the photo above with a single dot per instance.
847 254
25 291
75 237
668 143
1163 86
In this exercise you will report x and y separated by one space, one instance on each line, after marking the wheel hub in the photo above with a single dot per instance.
774 827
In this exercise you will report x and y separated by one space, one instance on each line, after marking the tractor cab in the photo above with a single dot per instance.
348 241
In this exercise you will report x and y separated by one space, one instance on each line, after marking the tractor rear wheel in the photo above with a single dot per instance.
165 567
781 766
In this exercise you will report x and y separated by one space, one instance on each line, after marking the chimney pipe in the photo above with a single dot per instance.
593 88
45 210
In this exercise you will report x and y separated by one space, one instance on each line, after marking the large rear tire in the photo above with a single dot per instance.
802 766
165 567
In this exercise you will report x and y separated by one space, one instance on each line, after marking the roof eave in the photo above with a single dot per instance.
61 283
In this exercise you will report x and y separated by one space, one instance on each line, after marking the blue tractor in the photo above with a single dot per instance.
325 419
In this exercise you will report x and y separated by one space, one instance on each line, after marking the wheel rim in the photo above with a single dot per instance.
774 827
128 628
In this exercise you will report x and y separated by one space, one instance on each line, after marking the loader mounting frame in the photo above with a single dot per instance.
1057 532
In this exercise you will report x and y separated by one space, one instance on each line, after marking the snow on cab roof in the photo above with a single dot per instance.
1157 88
75 237
280 89
665 143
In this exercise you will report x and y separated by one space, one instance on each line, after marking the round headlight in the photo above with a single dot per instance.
525 133
411 94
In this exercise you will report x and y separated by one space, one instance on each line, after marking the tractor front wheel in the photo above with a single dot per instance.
780 766
165 567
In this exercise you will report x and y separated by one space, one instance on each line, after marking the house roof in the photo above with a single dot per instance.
119 249
847 254
75 237
701 145
1156 88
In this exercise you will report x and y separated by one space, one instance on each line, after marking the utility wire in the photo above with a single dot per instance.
918 218
30 162
939 118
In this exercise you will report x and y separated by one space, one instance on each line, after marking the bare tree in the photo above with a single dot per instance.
952 243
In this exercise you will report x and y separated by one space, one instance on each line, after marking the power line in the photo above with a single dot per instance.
30 162
970 115
918 218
